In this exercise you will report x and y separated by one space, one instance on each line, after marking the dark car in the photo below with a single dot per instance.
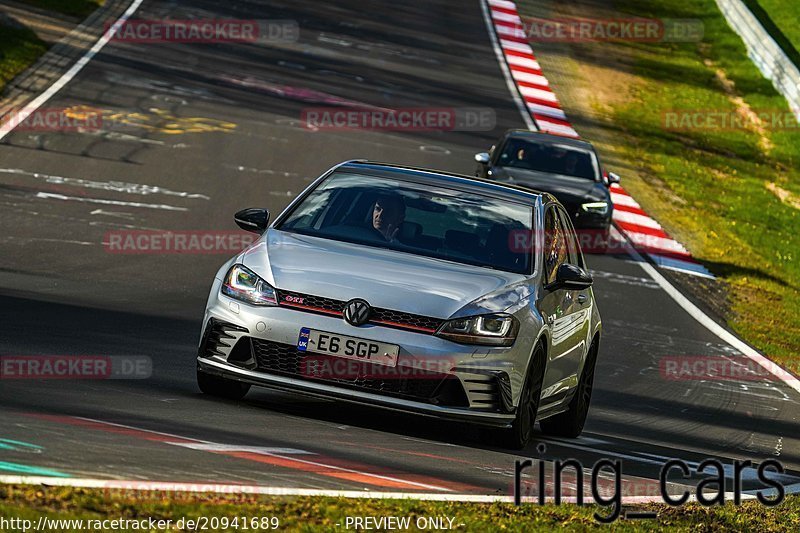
569 169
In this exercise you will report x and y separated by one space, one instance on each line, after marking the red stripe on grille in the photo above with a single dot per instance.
339 314
404 326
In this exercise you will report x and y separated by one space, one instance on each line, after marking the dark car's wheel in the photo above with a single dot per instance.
219 386
570 423
521 431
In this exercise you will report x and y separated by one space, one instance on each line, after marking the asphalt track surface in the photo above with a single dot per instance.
61 292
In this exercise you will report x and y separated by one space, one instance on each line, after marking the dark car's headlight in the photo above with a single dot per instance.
488 330
243 284
599 208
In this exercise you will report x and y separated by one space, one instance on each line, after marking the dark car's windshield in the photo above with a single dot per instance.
422 219
552 158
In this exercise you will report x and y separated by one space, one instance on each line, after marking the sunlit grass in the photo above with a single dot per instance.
19 49
330 514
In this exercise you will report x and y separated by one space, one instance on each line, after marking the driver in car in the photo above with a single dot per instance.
564 161
388 213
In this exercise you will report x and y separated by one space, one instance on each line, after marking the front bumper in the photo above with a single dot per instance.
488 379
322 390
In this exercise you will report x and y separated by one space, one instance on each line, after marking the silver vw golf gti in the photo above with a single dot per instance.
413 290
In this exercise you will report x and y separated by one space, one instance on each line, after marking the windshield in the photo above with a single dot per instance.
422 219
552 158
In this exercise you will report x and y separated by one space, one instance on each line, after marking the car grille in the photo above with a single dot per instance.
379 316
278 358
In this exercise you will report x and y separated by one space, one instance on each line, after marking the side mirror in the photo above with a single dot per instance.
482 158
613 178
571 277
255 219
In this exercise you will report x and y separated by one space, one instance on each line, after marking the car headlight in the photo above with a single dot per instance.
600 208
243 284
488 330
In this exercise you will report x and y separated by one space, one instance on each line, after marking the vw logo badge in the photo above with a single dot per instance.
356 312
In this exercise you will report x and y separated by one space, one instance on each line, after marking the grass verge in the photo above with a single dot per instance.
75 8
731 194
783 14
29 502
736 190
19 49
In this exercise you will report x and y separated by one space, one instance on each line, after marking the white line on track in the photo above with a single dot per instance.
705 320
65 78
217 488
262 450
154 432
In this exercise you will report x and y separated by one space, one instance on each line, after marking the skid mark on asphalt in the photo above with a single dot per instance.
110 186
267 171
23 241
292 92
160 86
51 196
280 457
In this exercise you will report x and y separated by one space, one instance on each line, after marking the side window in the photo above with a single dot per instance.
555 245
574 251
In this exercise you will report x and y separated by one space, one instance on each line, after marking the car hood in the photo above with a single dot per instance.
385 278
567 189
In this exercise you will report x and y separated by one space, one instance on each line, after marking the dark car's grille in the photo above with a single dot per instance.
285 359
379 316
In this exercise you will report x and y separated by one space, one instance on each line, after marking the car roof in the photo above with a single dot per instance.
549 138
462 181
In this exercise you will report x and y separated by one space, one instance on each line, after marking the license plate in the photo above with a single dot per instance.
325 343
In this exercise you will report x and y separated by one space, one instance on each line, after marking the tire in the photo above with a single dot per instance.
570 423
221 387
519 435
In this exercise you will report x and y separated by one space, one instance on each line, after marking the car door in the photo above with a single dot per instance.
556 307
580 300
